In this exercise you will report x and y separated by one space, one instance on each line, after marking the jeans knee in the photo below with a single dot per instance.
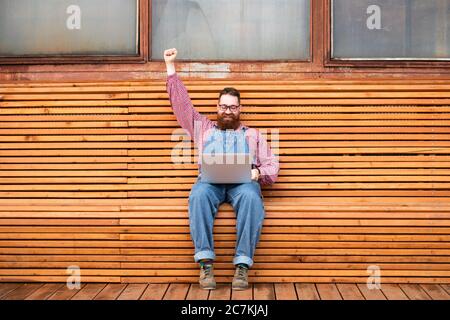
200 192
251 195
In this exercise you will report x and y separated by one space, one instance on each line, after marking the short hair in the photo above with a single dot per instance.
232 92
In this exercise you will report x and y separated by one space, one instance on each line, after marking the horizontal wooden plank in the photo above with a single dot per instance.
269 196
283 251
300 262
409 201
260 273
314 100
290 222
276 265
363 84
274 211
71 236
274 194
248 96
309 151
21 110
282 279
271 237
315 161
63 265
74 222
187 172
440 247
175 144
310 133
222 230
218 265
38 278
221 279
52 251
72 208
229 251
246 117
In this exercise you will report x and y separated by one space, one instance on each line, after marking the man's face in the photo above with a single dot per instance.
227 118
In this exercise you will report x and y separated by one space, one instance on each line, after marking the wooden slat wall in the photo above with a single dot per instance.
86 179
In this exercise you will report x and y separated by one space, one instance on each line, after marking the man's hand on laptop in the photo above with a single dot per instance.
255 174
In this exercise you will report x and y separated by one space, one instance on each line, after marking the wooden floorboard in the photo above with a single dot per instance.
23 291
111 292
435 291
371 293
246 294
177 291
46 291
155 291
414 291
133 291
89 292
285 291
6 288
65 293
263 291
307 291
393 292
328 291
197 293
192 291
446 287
222 292
350 291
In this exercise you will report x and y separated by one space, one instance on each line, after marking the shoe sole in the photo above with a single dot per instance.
239 288
208 288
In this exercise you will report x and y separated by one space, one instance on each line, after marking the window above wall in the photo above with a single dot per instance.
389 30
232 30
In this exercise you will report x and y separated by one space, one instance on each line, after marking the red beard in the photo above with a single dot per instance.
228 121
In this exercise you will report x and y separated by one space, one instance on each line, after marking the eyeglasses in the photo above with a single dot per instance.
224 107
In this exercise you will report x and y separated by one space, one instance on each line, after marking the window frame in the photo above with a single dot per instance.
141 57
329 61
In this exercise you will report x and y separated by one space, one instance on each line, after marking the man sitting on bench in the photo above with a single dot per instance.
226 134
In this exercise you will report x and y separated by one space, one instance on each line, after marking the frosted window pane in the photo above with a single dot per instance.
231 29
92 27
403 29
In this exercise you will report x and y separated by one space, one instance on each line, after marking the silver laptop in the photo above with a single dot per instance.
226 168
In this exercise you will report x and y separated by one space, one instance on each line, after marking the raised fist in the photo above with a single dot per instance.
169 55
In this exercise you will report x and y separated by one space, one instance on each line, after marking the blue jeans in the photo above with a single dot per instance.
247 201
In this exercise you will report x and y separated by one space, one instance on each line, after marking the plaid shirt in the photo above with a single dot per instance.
199 127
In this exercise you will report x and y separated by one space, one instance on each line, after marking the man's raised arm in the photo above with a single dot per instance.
187 116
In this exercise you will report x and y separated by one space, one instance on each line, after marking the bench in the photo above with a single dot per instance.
87 180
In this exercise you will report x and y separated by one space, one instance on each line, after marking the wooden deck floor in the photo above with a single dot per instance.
258 291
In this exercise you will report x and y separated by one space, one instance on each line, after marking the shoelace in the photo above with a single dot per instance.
207 269
242 271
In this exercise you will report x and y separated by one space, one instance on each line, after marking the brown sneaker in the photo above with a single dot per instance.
207 280
240 280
